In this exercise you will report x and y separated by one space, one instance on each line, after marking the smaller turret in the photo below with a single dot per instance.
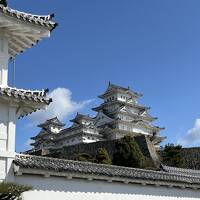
46 137
53 125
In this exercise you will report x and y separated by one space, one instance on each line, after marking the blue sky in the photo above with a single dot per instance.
151 46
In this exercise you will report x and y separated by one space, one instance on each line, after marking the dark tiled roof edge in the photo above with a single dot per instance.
45 20
54 121
84 168
27 95
175 170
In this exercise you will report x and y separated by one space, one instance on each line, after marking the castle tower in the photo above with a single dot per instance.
18 32
45 139
121 114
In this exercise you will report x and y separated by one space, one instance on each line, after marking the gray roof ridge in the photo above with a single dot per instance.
105 165
180 170
42 92
61 167
31 18
90 163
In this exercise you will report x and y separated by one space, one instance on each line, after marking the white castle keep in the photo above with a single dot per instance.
119 114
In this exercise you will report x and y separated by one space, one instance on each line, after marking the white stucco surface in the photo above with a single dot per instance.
3 60
77 189
7 138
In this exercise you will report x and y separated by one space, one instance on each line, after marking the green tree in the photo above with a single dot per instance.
103 157
128 154
12 191
3 2
172 156
83 157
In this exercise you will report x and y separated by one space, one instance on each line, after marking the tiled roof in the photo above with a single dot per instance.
115 88
41 134
54 121
181 171
26 17
20 95
80 117
106 171
37 96
122 104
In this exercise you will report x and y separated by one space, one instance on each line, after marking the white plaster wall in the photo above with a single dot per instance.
7 138
134 129
140 130
54 129
80 140
76 189
3 60
130 109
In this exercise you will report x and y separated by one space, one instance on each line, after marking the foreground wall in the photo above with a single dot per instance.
62 188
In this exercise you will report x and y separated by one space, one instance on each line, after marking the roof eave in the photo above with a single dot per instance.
19 171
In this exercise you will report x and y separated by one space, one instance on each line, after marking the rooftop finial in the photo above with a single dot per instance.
3 2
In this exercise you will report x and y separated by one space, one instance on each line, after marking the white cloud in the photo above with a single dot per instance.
192 137
62 106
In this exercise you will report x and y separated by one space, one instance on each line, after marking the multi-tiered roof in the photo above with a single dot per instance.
47 135
80 119
125 113
120 114
18 32
52 122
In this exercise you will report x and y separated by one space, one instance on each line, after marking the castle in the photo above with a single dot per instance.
119 114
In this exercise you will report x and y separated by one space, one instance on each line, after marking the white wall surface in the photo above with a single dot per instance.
77 189
3 60
7 138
